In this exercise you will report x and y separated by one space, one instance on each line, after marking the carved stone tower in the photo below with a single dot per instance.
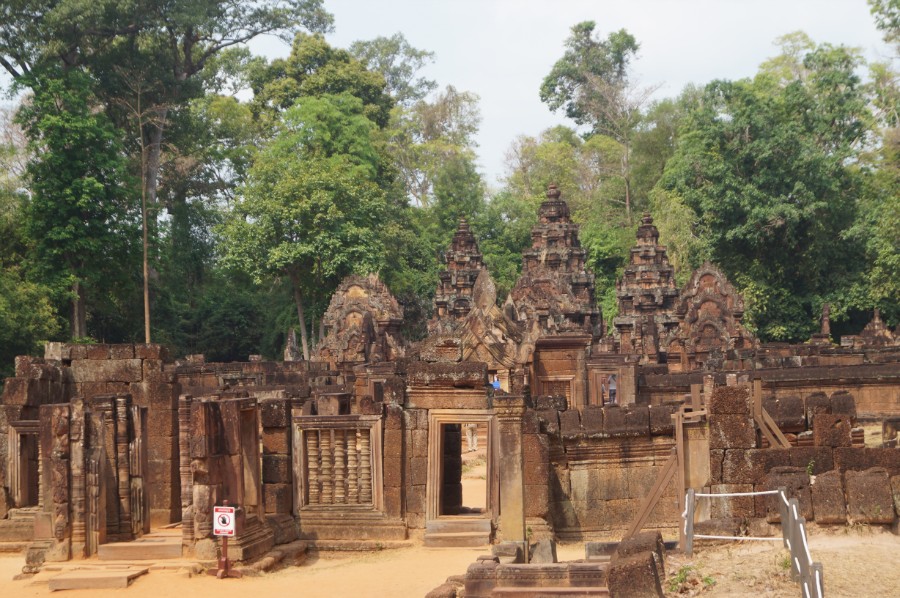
453 299
646 295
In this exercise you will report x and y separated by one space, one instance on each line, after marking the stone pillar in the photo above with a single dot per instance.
510 411
77 437
122 460
184 470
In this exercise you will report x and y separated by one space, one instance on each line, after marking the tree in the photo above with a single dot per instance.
399 64
312 207
767 169
80 215
144 56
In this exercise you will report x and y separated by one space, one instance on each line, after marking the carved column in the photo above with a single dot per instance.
340 495
312 465
365 467
184 470
77 437
510 411
122 462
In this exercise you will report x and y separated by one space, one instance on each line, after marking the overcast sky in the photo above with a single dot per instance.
502 49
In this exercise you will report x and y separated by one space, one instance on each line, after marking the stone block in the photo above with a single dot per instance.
739 467
730 400
393 443
740 507
592 421
537 500
121 351
420 443
661 423
796 481
549 422
393 472
276 441
828 498
162 471
162 496
536 450
895 492
418 471
531 424
15 391
108 370
626 421
787 412
716 457
275 413
415 499
869 498
550 403
814 459
635 576
843 403
816 403
278 498
649 541
509 553
831 430
97 351
393 419
570 423
393 503
162 423
860 459
731 431
276 469
543 552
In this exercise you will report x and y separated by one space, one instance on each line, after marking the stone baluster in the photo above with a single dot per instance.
365 468
352 467
340 479
312 465
326 472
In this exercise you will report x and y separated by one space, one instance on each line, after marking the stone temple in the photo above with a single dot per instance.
101 445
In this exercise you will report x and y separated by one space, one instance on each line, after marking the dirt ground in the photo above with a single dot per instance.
858 562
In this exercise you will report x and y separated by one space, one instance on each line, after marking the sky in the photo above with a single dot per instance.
502 49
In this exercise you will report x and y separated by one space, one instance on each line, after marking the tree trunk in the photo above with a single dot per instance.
79 312
298 299
154 154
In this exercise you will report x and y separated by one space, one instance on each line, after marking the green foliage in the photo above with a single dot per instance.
763 169
399 63
81 217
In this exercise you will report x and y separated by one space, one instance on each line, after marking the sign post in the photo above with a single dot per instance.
224 526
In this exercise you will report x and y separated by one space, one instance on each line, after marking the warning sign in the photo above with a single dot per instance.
223 521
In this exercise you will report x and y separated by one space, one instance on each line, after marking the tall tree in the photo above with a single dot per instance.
80 214
399 63
767 167
312 208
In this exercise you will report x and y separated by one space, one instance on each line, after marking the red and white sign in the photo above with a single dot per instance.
223 521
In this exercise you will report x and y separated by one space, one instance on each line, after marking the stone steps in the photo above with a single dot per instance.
357 545
457 540
13 547
95 580
152 547
584 592
351 526
16 530
463 532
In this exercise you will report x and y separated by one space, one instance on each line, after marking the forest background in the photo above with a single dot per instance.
159 181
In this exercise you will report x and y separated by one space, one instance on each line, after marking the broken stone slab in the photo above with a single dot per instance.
96 580
542 551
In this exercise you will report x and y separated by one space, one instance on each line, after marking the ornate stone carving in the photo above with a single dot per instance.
555 293
454 297
710 313
362 324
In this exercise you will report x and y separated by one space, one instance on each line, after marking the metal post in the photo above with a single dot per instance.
818 580
783 513
689 523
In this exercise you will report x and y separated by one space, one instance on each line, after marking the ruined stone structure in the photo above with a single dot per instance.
364 443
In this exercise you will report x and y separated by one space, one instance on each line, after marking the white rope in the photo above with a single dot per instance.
736 538
738 494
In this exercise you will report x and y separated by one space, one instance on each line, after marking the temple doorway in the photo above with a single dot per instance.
461 490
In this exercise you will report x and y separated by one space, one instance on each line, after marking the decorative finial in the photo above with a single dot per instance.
647 219
463 223
553 192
